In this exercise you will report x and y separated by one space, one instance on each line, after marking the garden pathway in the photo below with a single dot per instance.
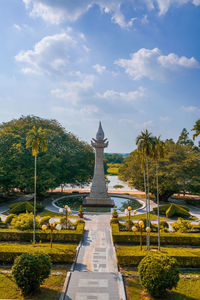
95 275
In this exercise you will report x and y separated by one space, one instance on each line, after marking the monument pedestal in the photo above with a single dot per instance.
98 202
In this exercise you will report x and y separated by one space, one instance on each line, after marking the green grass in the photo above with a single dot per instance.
187 289
153 217
172 251
53 214
50 290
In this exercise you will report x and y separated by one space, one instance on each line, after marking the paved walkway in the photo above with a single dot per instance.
95 275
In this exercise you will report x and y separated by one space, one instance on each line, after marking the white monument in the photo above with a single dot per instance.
98 193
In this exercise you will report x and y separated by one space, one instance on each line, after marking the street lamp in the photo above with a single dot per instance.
61 210
67 212
141 225
128 211
52 227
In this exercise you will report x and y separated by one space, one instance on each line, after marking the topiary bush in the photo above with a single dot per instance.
30 270
176 210
21 207
164 208
24 222
9 218
158 273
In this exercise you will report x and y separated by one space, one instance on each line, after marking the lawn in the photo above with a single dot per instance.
153 217
187 289
50 290
113 169
53 214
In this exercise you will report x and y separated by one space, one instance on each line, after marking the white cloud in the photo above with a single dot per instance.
60 11
53 54
99 69
75 91
121 96
164 5
152 64
17 27
191 109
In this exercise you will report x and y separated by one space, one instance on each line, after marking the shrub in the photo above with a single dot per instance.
182 226
176 210
44 220
164 208
157 273
21 207
30 271
164 224
114 213
67 224
24 222
9 218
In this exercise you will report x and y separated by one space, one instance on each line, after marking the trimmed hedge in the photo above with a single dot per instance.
131 256
63 236
170 238
59 253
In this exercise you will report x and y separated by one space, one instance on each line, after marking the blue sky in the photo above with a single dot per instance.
133 64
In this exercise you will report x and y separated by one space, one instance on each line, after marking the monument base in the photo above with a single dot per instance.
98 202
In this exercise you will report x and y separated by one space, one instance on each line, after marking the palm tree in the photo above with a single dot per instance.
197 129
158 153
144 144
34 139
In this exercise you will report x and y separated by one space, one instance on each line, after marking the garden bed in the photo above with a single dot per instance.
63 236
59 253
132 255
170 238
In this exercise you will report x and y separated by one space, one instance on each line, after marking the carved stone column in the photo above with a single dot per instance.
98 192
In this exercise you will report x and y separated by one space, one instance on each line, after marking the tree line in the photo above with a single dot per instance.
66 161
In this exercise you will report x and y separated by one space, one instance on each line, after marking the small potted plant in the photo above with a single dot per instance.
80 212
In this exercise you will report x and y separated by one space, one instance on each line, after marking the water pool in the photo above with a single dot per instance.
74 203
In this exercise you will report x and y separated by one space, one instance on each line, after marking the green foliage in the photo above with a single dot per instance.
9 218
166 238
30 271
44 220
62 236
163 208
157 273
163 225
182 226
21 207
24 222
115 213
179 171
113 158
118 186
175 210
68 160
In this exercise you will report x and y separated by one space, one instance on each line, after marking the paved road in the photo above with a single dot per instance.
95 275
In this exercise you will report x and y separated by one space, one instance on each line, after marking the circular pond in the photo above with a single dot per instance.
74 203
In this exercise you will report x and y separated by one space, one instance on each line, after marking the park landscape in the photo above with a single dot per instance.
88 215
165 175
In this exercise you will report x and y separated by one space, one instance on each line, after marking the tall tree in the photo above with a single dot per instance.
67 161
144 144
34 139
158 154
196 128
184 138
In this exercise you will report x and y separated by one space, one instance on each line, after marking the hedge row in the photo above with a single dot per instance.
63 236
171 238
58 253
185 258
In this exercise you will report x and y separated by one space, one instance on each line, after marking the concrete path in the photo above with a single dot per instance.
96 275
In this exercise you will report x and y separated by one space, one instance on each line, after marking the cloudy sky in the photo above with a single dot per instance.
133 64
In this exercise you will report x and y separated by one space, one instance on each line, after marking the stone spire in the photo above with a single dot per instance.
98 192
100 133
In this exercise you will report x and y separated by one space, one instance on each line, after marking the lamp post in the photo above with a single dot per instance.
128 210
141 225
52 227
148 230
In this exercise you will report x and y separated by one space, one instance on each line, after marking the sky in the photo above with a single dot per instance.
133 64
